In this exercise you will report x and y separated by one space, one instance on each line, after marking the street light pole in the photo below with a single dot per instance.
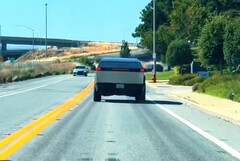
32 33
46 30
154 42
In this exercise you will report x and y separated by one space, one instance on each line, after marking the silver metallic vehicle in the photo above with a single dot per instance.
120 76
80 70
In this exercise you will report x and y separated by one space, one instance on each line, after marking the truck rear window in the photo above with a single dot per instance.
120 65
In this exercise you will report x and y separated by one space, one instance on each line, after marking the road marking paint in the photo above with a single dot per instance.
11 144
216 141
31 89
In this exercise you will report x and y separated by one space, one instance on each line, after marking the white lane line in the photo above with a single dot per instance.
32 83
31 89
216 141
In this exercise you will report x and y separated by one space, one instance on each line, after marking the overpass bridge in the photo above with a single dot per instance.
5 40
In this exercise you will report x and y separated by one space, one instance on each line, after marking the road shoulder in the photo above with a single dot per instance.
225 109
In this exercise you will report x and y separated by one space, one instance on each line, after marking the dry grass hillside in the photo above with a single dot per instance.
90 49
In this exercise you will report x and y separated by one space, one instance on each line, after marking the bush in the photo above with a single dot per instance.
9 79
86 61
193 81
3 80
226 86
24 71
195 87
125 51
179 80
56 73
228 90
25 74
216 79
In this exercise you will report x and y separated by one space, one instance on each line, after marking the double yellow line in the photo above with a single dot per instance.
11 144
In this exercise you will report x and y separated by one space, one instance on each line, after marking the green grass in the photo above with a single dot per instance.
161 75
226 86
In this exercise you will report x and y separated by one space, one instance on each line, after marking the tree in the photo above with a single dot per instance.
163 9
145 29
187 19
231 44
220 6
164 36
211 44
179 53
125 51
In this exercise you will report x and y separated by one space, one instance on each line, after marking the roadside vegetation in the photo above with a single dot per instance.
125 51
187 80
224 86
197 30
161 76
22 71
64 54
221 85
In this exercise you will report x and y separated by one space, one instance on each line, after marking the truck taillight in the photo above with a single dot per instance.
99 69
142 70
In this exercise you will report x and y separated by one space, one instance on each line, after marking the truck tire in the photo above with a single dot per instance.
96 96
142 96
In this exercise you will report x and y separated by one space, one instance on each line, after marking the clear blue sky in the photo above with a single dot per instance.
95 20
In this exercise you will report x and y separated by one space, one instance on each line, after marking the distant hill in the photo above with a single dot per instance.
90 49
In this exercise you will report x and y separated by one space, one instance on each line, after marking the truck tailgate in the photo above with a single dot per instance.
120 77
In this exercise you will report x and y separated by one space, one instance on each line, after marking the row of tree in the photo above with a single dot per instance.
207 30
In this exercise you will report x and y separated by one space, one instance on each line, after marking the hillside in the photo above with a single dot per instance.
62 54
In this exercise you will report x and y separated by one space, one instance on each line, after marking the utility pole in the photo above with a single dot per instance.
46 30
154 42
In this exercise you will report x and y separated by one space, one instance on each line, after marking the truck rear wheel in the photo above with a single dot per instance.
96 96
141 97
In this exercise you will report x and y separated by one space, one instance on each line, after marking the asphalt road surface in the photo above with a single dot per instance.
116 129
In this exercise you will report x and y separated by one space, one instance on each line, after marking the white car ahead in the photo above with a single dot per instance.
80 70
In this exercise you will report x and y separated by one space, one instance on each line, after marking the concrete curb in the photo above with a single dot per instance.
190 103
150 85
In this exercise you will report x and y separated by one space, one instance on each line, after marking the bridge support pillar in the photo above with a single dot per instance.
4 46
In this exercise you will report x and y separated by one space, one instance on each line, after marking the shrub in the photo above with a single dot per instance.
179 80
214 80
23 71
9 79
3 80
195 87
229 90
193 81
226 86
25 74
125 51
63 72
86 61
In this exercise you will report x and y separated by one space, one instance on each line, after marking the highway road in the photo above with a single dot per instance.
116 129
